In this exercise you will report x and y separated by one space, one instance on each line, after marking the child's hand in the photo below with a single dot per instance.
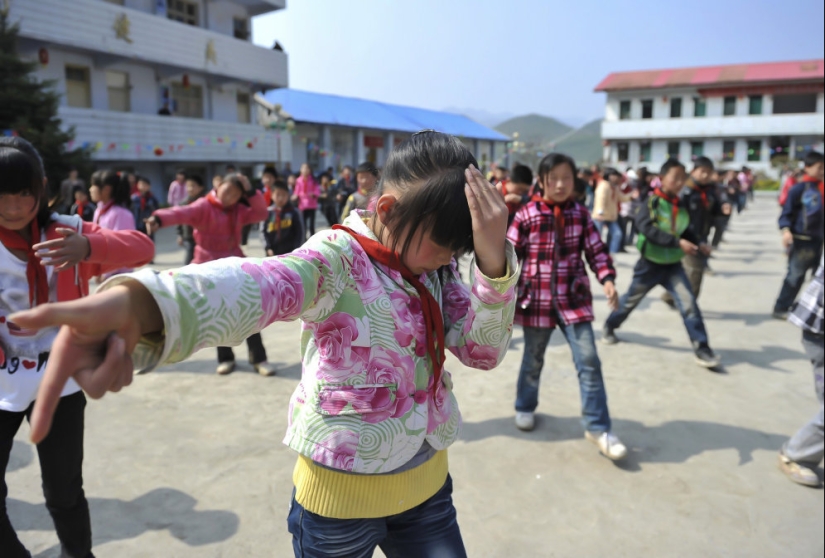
270 253
612 295
688 247
152 225
63 253
787 239
489 223
705 249
93 345
180 239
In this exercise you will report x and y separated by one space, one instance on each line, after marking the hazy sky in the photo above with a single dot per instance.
522 56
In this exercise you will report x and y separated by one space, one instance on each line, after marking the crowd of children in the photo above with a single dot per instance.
390 266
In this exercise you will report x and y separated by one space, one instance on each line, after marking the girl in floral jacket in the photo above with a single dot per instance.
380 299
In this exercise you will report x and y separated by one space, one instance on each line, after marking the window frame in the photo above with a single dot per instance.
697 103
676 102
186 100
758 156
238 103
246 34
622 114
725 151
649 104
752 99
622 145
645 146
87 82
175 14
126 89
693 151
670 153
725 101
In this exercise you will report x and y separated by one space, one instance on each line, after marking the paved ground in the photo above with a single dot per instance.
188 464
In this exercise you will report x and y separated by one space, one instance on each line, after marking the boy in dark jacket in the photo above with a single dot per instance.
664 238
82 206
282 229
801 222
699 197
144 203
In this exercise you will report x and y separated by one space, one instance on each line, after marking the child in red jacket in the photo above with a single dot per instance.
217 220
47 257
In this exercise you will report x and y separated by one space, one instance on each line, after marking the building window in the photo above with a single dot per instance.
700 107
117 85
728 151
244 112
78 87
794 104
188 101
240 28
623 151
697 149
755 150
624 110
730 106
183 11
676 107
673 149
780 149
755 104
647 108
644 152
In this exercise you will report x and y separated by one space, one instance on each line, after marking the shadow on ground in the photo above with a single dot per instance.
162 509
672 442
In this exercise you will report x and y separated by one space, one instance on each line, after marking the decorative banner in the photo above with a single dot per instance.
113 147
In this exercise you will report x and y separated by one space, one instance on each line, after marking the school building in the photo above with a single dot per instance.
755 115
153 85
333 131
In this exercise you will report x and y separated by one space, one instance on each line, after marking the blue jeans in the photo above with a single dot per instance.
804 256
595 416
429 530
614 235
647 275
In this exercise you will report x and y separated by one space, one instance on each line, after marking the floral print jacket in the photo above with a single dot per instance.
365 403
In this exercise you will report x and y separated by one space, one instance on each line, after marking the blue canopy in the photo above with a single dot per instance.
335 110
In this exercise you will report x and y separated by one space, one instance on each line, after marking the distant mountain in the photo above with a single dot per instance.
585 144
534 128
489 119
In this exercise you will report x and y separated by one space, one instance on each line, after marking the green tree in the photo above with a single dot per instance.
28 106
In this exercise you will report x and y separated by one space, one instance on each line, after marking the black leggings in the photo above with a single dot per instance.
255 345
309 221
61 469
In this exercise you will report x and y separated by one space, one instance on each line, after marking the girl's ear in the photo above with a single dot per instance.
384 206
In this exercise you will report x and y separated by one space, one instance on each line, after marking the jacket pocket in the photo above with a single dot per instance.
355 400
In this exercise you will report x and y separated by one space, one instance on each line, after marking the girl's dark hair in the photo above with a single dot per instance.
552 160
234 178
121 191
22 170
428 171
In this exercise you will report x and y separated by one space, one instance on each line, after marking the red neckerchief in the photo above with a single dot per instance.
103 211
213 200
674 202
433 320
35 272
703 191
558 214
80 207
819 183
143 199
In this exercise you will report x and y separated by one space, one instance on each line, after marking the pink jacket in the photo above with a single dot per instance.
307 191
217 232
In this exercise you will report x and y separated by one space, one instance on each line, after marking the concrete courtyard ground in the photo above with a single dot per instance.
188 464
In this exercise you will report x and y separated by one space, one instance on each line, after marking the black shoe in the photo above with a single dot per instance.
779 315
608 337
706 357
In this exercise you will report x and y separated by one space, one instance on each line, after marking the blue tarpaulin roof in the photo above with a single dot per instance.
334 110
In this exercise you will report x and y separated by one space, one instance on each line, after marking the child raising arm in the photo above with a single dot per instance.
380 300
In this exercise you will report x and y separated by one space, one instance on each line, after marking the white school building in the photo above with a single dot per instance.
755 115
117 63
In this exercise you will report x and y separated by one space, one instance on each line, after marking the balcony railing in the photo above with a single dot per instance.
113 33
730 126
119 136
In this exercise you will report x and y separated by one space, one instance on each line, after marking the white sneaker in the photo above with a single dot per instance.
525 421
225 368
609 445
264 368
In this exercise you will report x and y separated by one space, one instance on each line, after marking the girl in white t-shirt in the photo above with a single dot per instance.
45 257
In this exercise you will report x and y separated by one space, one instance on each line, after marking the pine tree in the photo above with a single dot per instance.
28 107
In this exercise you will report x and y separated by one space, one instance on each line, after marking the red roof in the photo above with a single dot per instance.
735 74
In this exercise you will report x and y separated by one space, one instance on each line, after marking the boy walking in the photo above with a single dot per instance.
282 229
699 197
804 451
366 177
801 221
664 238
550 233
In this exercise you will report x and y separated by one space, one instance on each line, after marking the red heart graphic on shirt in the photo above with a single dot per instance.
29 364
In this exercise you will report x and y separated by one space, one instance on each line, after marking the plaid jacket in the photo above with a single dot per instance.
554 283
807 313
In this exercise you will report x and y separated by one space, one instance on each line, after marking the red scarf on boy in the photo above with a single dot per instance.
703 191
674 203
433 319
35 272
819 183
